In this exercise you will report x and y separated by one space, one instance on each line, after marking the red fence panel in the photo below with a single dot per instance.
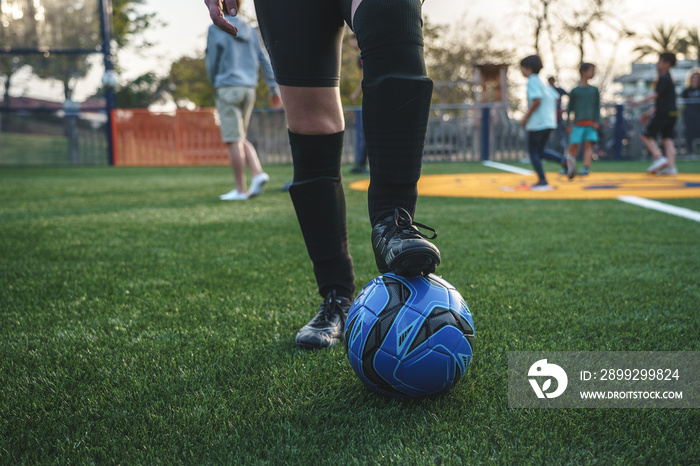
183 137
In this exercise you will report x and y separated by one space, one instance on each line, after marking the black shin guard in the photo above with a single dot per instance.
319 202
395 118
396 102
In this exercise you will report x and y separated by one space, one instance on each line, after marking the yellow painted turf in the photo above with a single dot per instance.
594 186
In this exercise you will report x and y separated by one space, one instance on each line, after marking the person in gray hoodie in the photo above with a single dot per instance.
233 64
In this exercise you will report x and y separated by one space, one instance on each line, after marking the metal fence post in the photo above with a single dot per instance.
485 133
106 29
619 130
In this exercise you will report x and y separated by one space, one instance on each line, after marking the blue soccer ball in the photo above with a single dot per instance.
409 337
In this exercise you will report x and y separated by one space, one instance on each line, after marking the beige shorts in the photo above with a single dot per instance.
235 105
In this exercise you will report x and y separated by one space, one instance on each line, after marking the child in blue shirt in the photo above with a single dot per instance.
539 120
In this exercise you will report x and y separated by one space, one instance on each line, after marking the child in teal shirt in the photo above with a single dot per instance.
584 103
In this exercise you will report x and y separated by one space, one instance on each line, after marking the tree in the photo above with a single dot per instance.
66 25
605 80
660 39
9 65
129 21
452 51
142 92
689 44
15 32
189 82
539 13
67 69
80 29
582 24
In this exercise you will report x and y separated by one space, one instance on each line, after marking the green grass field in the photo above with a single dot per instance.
41 149
143 321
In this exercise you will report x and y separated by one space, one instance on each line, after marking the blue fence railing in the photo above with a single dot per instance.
456 133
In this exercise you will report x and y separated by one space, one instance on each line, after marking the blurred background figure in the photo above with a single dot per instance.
561 137
691 110
661 118
584 103
539 121
233 64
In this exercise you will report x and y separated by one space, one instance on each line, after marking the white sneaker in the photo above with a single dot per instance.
233 196
540 186
657 165
570 166
668 171
257 185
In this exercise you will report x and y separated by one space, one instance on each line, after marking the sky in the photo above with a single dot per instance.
186 23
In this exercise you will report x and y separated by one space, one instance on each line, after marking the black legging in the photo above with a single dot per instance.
304 39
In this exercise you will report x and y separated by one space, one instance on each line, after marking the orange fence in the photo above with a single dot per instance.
144 138
184 137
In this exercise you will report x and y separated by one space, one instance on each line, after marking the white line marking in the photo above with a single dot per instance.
508 168
661 207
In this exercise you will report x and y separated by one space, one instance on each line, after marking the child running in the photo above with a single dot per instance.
584 103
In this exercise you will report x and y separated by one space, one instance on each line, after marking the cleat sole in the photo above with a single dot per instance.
415 264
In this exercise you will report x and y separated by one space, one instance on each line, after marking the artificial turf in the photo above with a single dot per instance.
144 321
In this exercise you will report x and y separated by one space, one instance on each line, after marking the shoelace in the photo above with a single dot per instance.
329 308
407 227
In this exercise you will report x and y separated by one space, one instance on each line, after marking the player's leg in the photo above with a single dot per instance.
660 162
590 138
568 166
228 103
304 40
579 135
395 110
652 146
649 141
316 137
313 110
552 155
258 177
572 152
670 151
668 142
236 155
587 155
535 146
573 149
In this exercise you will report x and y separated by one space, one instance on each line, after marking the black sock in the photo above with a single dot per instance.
319 202
396 101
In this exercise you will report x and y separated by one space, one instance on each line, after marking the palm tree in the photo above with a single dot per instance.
689 43
660 39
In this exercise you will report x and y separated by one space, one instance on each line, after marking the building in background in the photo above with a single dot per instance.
638 83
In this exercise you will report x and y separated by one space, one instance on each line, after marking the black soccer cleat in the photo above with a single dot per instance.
400 248
326 329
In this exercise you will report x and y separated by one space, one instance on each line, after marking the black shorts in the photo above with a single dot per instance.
307 54
661 125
